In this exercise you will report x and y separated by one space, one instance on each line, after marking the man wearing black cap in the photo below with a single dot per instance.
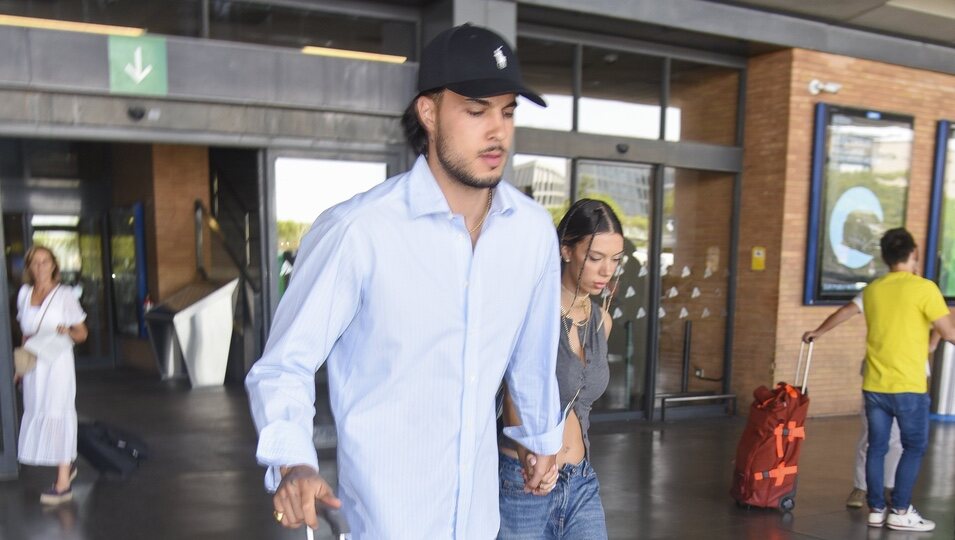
421 294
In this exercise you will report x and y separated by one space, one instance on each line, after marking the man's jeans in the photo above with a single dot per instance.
911 412
572 511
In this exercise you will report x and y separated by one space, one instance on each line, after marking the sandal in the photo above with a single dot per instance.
52 496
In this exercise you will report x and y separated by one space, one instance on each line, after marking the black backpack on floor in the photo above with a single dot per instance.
109 449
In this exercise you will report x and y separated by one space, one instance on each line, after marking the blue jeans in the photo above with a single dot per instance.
571 511
911 412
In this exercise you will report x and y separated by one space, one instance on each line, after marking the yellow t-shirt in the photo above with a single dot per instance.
900 308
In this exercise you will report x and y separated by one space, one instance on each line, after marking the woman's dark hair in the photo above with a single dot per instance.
584 219
415 133
28 276
897 245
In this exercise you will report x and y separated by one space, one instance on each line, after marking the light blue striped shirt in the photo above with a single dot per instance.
418 331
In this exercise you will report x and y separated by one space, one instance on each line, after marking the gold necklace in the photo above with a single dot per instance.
487 211
565 314
583 299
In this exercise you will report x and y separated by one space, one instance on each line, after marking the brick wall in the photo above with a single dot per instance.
180 176
167 179
707 97
761 220
775 209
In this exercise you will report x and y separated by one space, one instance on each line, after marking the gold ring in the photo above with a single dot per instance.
278 515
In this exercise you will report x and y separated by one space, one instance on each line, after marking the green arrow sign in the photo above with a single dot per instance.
137 65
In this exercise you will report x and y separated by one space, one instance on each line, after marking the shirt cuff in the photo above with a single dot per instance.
543 444
281 444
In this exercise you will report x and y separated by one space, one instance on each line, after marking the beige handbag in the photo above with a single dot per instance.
24 361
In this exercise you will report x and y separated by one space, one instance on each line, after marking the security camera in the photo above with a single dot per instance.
136 113
816 87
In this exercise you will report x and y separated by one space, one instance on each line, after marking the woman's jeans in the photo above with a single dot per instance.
911 412
571 511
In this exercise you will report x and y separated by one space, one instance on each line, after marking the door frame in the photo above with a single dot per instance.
8 397
396 157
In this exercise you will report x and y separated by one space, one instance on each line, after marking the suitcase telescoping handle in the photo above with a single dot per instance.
805 376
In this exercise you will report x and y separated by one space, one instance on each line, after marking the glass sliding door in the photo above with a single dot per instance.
694 280
626 187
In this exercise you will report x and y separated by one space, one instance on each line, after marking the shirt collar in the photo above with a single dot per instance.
425 197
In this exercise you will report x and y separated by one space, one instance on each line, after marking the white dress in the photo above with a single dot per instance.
48 429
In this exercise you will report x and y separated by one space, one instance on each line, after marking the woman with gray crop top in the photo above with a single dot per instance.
568 506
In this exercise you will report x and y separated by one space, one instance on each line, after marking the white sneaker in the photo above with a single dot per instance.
876 517
909 521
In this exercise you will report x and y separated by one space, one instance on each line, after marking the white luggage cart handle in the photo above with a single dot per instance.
335 520
805 377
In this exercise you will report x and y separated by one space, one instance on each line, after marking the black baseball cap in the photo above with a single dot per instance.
474 62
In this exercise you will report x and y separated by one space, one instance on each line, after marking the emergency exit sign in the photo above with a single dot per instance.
137 65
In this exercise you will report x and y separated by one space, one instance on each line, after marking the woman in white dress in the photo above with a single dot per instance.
52 321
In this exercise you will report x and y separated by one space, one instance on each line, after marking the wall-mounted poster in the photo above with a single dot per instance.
860 180
940 245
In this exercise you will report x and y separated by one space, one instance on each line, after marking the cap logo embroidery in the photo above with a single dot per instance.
500 58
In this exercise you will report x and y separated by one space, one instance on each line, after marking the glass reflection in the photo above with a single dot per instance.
171 17
620 94
946 275
283 26
547 68
544 179
122 241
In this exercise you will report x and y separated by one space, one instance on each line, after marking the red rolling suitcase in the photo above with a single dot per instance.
767 457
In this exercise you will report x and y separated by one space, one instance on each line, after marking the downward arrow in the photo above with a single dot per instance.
135 70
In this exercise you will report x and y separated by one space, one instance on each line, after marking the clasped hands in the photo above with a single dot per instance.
539 472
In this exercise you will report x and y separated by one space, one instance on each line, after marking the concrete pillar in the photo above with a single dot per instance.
498 15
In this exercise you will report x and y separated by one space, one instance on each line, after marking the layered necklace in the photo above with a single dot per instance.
580 302
487 210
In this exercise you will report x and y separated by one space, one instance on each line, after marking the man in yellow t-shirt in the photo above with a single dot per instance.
900 310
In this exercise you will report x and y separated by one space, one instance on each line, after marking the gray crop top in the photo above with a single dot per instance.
591 378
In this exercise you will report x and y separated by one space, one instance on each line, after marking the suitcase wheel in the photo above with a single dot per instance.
787 504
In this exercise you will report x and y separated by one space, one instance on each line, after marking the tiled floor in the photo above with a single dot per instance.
658 481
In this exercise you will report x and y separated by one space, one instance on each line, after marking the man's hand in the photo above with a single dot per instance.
296 496
811 336
540 474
